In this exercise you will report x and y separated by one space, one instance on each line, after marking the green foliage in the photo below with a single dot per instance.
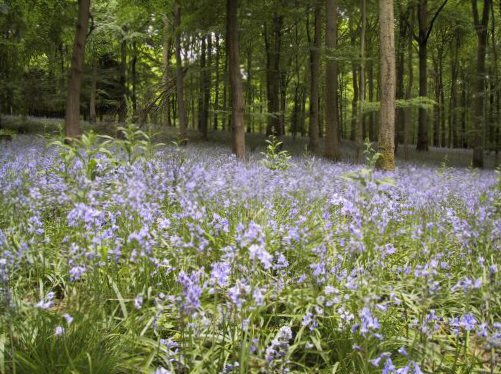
275 158
365 175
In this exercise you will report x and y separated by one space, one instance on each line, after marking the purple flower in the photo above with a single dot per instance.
138 301
59 331
191 291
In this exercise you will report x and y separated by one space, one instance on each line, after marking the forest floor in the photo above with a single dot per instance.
122 257
436 156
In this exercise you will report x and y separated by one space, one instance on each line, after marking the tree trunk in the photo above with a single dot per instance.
122 111
436 109
168 43
134 79
93 88
237 96
387 123
479 97
72 116
400 122
361 114
203 95
315 82
422 143
273 76
216 93
181 106
372 115
331 84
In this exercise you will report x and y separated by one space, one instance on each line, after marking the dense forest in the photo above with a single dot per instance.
306 68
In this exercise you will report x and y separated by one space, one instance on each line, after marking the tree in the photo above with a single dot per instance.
315 81
237 94
331 94
388 85
422 38
72 117
479 98
181 106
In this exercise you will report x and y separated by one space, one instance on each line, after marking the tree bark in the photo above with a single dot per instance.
122 110
216 93
423 123
331 84
134 79
387 124
181 105
72 116
237 96
204 95
93 88
314 141
273 69
361 114
168 44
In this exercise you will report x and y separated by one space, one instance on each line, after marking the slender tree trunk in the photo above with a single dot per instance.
273 54
443 141
93 89
72 116
237 96
423 124
436 109
249 90
400 122
134 78
208 82
387 123
331 84
181 106
315 82
122 111
168 43
217 83
361 110
479 97
372 115
204 95
453 141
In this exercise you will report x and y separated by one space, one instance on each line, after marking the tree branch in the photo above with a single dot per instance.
435 16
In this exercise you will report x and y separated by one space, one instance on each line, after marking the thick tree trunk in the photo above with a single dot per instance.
314 141
72 116
181 106
387 123
237 95
479 97
331 84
